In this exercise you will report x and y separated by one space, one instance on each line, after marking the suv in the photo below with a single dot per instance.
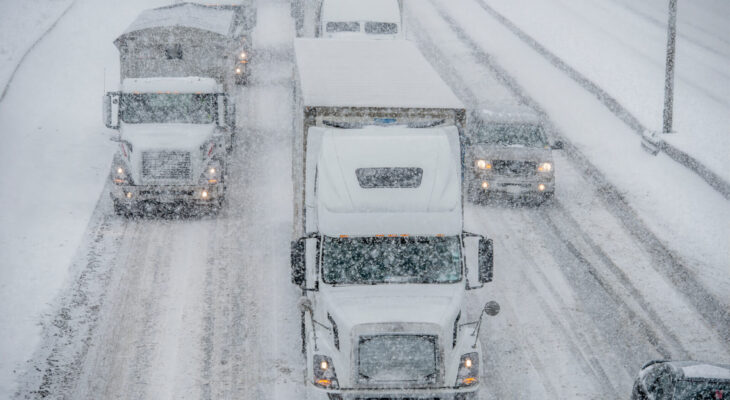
507 153
695 380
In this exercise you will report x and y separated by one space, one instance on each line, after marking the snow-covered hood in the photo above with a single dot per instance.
351 306
167 136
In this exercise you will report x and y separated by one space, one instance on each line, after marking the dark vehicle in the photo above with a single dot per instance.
682 380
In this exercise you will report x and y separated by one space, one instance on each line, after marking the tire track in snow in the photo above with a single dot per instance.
671 265
714 180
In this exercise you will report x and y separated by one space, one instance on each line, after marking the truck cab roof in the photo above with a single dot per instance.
389 180
361 10
171 85
367 73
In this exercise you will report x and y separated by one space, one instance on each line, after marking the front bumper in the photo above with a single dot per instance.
533 185
192 194
446 393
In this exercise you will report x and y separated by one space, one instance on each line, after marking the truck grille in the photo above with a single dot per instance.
513 168
398 360
166 165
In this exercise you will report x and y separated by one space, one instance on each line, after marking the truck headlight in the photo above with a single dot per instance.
212 173
545 167
119 174
483 164
468 374
324 372
242 55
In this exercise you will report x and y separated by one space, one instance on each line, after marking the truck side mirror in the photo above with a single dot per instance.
471 259
491 308
110 111
304 253
557 145
298 264
222 119
486 260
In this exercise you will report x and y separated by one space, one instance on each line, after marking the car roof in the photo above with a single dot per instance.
695 370
701 370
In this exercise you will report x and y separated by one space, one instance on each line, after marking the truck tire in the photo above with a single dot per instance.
122 210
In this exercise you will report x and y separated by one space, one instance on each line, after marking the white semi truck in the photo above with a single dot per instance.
172 135
379 249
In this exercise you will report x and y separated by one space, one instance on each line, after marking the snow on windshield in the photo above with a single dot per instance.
139 108
391 260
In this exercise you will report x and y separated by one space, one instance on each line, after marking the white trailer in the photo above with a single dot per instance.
189 39
379 249
172 135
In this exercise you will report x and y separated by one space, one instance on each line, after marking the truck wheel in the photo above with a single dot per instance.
122 210
546 197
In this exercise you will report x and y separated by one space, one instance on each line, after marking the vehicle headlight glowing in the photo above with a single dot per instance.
541 187
119 175
238 70
324 372
211 170
242 56
468 374
485 185
120 170
545 167
483 164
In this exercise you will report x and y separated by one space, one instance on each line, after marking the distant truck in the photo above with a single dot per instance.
379 249
364 19
172 137
508 155
190 39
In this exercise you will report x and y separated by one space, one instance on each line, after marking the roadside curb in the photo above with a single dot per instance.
714 180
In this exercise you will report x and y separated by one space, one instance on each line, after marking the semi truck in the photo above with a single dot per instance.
378 246
190 39
172 135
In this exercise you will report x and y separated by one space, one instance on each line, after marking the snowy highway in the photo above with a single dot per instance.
592 284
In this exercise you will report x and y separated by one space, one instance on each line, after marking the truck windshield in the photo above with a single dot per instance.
371 260
381 28
150 108
527 135
343 27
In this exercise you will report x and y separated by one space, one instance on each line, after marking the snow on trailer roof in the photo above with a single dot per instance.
361 10
217 20
381 180
369 73
177 85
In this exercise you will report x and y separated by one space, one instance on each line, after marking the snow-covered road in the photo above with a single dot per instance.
591 285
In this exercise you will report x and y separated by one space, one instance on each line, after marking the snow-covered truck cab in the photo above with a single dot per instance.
377 244
385 266
360 19
508 154
172 136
